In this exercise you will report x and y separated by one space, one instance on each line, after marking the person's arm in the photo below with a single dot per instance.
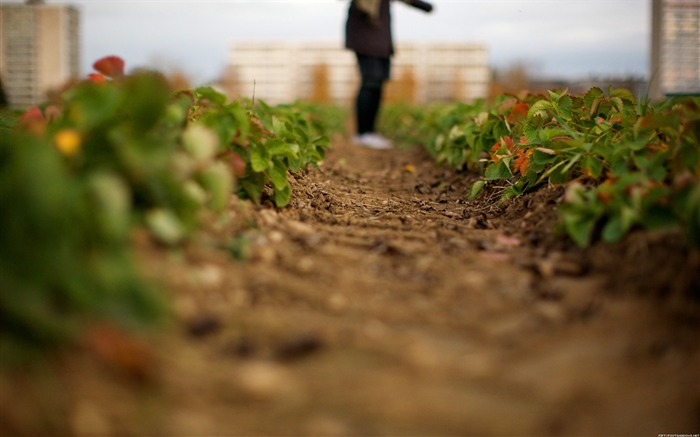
420 4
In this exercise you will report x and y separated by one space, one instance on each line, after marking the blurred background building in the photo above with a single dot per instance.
675 47
39 50
326 72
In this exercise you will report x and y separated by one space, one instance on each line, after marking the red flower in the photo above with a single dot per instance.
110 66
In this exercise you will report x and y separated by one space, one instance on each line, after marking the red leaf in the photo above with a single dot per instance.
34 121
110 66
518 113
522 162
120 350
235 162
508 141
32 115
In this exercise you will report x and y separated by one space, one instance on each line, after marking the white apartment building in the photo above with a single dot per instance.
675 47
282 72
39 50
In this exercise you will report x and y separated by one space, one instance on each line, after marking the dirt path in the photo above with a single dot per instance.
380 302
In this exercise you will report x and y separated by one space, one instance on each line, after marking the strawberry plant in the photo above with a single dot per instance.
119 152
652 176
66 259
628 163
131 129
262 143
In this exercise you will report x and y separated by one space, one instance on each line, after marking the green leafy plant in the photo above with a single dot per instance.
629 163
262 143
64 248
117 153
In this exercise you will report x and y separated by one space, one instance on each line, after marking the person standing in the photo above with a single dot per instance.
368 34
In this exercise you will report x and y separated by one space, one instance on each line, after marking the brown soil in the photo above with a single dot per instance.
382 302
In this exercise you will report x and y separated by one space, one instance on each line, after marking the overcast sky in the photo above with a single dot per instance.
557 38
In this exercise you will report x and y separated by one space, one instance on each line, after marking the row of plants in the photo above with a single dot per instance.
626 163
115 154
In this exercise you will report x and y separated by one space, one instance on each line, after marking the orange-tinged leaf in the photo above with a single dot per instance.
605 192
604 196
110 66
96 78
121 351
522 161
518 113
509 143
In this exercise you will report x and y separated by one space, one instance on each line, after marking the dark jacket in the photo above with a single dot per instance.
367 37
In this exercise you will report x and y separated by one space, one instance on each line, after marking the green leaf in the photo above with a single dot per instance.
283 196
92 105
278 175
515 190
281 148
551 171
592 98
146 97
618 104
498 171
593 165
165 226
218 181
565 107
212 95
259 159
613 230
279 127
571 163
619 225
579 226
241 120
477 188
550 133
624 94
252 187
540 109
532 133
